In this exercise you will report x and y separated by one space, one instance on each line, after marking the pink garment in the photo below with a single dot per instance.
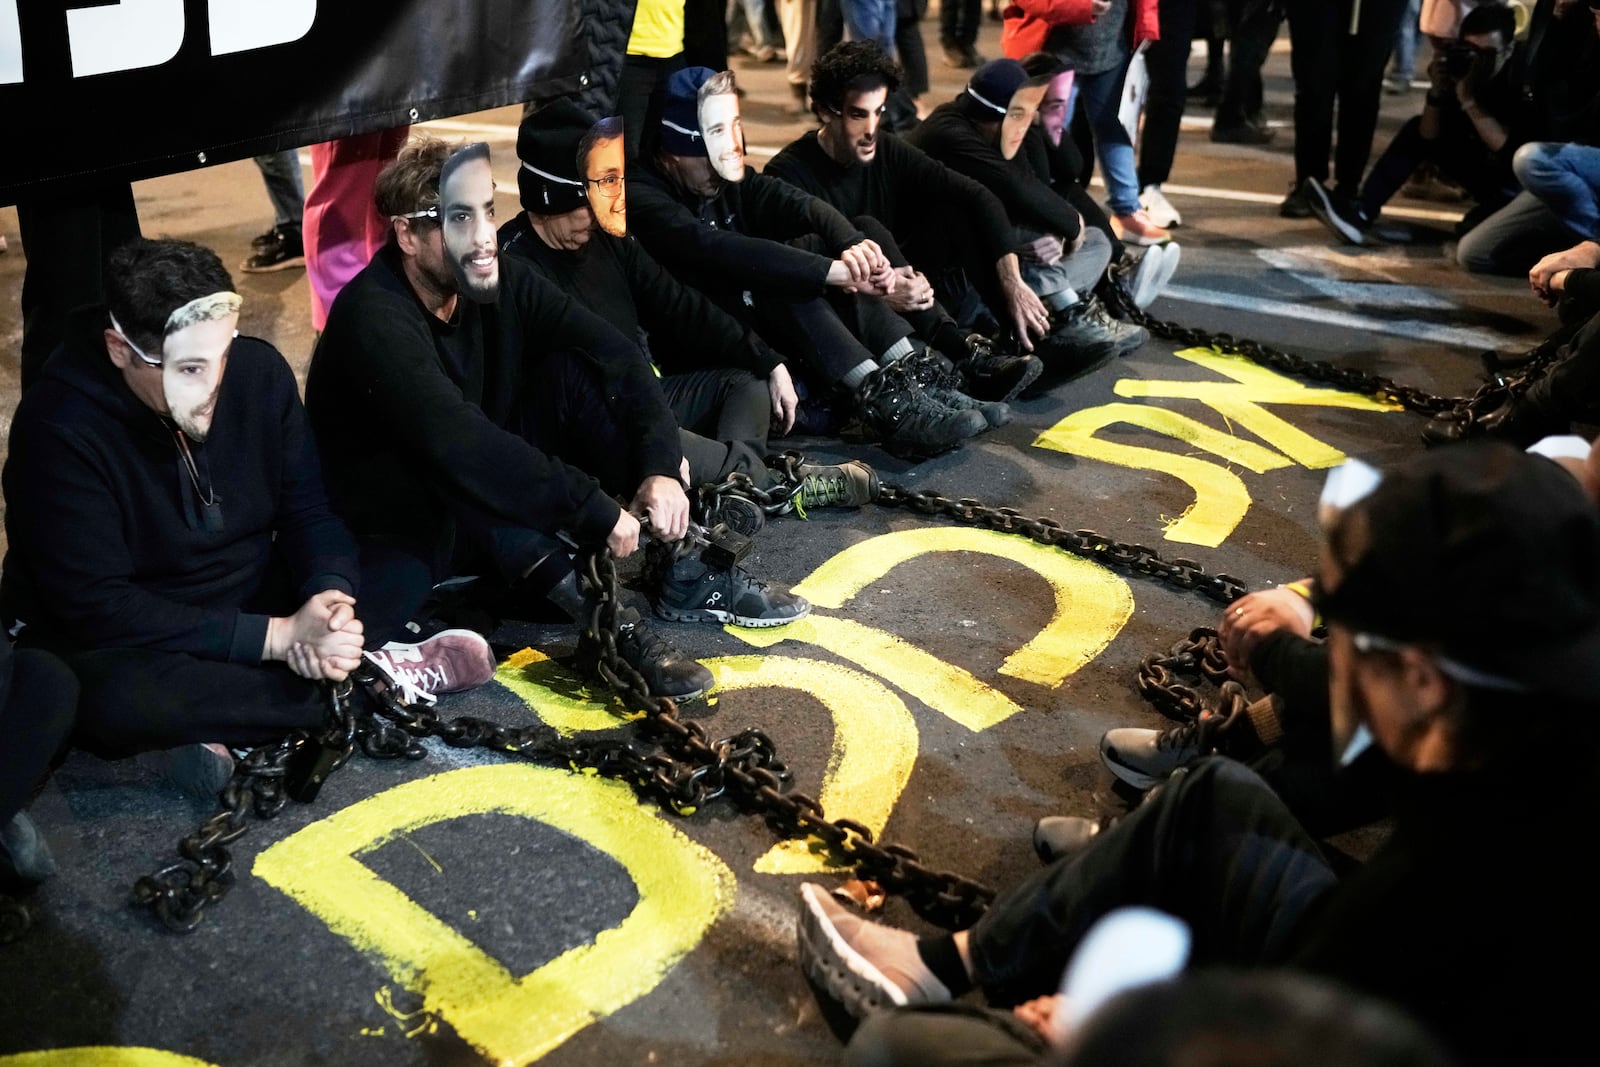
342 229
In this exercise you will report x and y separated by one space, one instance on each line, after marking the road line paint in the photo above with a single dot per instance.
1411 329
874 743
1092 603
1305 265
101 1056
1206 192
682 888
942 686
543 684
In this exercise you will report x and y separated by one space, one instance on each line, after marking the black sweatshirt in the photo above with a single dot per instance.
416 417
954 139
734 242
108 546
902 187
615 278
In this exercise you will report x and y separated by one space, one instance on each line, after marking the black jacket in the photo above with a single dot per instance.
902 187
108 545
954 139
417 418
615 278
735 242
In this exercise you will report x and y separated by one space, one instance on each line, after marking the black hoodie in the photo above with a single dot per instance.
108 540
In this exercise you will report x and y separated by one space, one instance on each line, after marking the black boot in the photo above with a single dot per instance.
940 380
992 375
1524 419
666 671
910 423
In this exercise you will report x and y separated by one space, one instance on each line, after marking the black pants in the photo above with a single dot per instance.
724 414
908 42
1216 848
831 335
66 238
1460 156
958 22
1330 64
1255 27
639 92
933 325
1167 60
36 719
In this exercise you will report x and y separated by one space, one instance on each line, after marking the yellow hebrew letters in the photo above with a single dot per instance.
682 889
1092 604
874 743
1221 498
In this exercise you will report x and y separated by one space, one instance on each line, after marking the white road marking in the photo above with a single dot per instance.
1305 265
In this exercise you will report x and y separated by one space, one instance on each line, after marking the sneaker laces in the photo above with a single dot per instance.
822 490
400 680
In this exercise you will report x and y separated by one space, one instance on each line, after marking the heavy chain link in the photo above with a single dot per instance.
1496 390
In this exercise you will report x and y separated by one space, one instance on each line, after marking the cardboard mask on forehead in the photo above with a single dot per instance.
1019 116
603 168
194 354
723 133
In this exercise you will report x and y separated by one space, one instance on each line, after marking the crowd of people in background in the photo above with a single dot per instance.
489 398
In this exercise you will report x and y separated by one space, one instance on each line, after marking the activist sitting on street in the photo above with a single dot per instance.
726 387
790 267
1462 596
474 420
169 534
980 134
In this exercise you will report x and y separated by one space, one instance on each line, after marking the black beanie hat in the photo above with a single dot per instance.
988 94
547 144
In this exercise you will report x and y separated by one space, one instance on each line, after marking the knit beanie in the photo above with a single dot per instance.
989 93
680 112
547 144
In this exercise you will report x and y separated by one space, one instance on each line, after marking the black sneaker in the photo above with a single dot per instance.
740 514
262 240
992 375
940 380
1295 205
281 254
909 422
666 671
1336 211
25 859
1092 333
845 485
693 591
1245 132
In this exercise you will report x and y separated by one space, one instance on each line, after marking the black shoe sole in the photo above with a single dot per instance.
249 266
1322 207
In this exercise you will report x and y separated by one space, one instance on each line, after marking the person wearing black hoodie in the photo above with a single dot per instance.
1462 595
476 421
172 540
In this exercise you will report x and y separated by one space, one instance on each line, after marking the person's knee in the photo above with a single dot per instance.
1534 164
1476 252
48 689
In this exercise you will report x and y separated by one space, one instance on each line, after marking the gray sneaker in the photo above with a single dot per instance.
1143 758
863 966
25 859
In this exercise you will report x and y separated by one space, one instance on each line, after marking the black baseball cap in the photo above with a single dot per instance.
1488 553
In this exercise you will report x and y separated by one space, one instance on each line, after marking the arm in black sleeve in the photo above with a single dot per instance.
1028 201
1580 297
1295 670
553 320
781 212
696 332
672 233
64 520
938 190
320 552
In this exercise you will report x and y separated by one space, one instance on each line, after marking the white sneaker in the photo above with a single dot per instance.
448 662
1152 273
1160 210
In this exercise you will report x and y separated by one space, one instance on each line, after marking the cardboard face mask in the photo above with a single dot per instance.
1053 107
724 135
466 204
1019 116
603 184
194 356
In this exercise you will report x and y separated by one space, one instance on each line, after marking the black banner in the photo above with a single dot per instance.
137 88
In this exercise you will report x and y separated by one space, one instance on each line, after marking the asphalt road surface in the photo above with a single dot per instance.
949 689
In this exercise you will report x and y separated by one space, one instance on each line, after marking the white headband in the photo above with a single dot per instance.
674 126
986 103
550 177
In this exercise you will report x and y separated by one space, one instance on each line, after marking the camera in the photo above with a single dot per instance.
1457 60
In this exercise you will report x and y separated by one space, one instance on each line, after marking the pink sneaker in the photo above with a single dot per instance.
450 661
1137 229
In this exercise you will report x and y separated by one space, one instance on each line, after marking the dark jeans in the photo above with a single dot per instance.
1167 61
1254 30
1330 64
1215 848
36 720
908 42
1460 156
959 21
639 100
66 238
724 414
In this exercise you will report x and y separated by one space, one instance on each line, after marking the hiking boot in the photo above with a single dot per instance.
1524 419
1091 333
1137 229
666 671
909 422
1144 757
940 380
1057 837
1343 218
845 485
992 375
693 591
451 661
201 771
1295 205
284 252
25 858
1159 208
862 966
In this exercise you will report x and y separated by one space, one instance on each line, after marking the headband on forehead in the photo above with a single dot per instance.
203 309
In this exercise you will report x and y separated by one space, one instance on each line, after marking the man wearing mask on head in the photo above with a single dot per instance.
169 534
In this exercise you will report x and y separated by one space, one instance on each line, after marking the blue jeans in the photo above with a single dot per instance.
1566 179
1100 95
1405 43
280 172
870 20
